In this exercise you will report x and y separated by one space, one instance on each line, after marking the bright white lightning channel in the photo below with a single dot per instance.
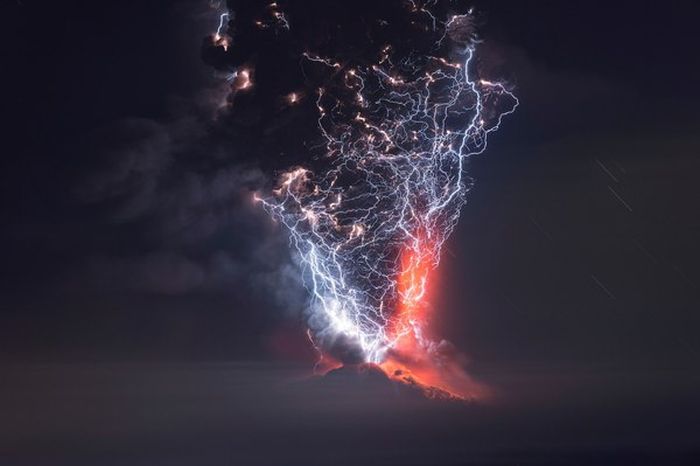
396 137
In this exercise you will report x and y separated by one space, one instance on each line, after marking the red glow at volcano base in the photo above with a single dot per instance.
435 367
437 370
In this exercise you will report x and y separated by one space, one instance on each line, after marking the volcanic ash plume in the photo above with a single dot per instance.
371 210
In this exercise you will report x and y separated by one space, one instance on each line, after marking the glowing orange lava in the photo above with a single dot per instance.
412 284
434 367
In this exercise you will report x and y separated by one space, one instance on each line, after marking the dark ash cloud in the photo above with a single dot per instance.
183 194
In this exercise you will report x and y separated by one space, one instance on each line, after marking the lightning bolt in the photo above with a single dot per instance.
369 219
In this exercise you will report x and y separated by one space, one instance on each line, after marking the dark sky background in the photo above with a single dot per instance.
150 314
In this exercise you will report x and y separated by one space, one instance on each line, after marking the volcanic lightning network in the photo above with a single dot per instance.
396 138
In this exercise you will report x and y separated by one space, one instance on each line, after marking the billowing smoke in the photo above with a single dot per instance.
367 113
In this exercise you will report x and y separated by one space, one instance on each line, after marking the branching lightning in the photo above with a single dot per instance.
370 225
219 38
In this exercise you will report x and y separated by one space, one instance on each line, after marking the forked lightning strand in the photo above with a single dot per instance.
370 225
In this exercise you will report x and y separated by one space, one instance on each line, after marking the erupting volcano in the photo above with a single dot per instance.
381 191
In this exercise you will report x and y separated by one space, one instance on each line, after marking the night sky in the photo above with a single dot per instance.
151 314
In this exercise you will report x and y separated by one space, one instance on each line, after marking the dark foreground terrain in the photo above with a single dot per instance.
261 414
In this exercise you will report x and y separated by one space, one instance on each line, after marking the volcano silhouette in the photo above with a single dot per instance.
369 379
